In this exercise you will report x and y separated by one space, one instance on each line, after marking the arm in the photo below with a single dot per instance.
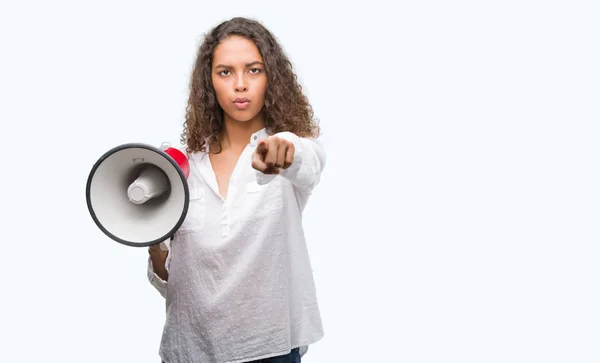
298 159
158 262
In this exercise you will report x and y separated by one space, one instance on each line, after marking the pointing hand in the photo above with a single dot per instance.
272 154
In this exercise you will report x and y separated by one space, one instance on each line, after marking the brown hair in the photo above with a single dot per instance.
286 107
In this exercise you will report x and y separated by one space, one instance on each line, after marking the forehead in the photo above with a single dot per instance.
236 50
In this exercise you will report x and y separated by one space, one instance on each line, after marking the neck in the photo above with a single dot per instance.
236 135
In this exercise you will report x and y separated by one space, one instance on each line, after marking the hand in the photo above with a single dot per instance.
157 250
273 154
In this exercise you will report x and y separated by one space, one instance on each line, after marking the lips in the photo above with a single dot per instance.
241 103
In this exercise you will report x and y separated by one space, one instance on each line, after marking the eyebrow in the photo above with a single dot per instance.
247 65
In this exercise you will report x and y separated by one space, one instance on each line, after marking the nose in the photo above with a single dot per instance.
240 83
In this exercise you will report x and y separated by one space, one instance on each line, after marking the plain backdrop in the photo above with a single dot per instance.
458 215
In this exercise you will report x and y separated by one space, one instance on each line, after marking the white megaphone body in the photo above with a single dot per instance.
138 194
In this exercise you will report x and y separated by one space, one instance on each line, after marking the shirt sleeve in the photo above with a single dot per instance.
309 162
159 284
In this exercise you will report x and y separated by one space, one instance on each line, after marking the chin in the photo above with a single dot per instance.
243 116
244 119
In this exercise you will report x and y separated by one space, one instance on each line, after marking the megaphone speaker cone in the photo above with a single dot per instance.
137 194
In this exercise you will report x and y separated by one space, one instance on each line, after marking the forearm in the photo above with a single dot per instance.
158 265
158 259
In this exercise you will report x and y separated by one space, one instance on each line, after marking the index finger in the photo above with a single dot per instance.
262 147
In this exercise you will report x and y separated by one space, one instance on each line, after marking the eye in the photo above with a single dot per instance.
222 73
255 70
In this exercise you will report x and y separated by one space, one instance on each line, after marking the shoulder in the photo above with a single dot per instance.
189 154
195 158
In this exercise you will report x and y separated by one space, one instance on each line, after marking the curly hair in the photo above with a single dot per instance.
286 108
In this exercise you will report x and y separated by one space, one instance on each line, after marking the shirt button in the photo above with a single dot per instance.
255 137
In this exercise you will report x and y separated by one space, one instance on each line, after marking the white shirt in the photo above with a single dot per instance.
240 282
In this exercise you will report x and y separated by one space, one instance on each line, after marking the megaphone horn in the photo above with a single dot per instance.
137 194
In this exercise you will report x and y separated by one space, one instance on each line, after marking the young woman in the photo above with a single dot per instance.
237 277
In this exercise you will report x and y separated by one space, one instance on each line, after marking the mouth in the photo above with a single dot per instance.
241 103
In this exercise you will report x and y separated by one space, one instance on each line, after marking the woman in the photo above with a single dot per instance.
237 277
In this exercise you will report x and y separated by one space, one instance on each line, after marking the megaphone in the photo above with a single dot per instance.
137 194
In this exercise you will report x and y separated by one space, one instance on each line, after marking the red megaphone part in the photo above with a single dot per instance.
179 158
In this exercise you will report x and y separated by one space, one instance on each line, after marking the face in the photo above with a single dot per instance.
239 79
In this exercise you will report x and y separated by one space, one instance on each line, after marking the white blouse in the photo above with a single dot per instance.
240 282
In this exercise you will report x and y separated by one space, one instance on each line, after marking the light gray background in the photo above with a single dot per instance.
457 219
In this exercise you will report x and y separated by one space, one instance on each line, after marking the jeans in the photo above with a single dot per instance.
292 357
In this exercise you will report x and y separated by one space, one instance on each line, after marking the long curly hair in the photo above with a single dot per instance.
286 108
